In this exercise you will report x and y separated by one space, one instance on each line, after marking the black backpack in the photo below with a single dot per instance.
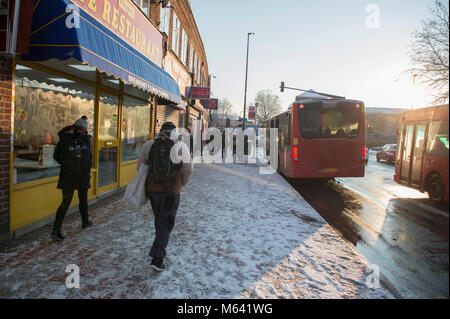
76 157
161 167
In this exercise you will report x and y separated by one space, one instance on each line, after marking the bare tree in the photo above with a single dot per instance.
268 105
225 107
429 53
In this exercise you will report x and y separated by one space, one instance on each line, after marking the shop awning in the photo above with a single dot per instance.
62 30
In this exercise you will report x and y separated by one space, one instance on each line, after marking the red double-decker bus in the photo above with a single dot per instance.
422 152
322 138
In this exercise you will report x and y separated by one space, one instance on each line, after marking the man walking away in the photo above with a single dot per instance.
163 185
74 153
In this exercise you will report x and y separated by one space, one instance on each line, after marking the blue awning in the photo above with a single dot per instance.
93 44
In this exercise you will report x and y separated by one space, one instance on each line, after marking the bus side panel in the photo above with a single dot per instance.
430 163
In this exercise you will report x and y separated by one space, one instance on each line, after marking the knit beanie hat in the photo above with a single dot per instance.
168 126
82 123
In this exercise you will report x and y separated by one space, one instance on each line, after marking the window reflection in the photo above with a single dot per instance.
44 104
438 143
164 20
108 116
144 5
320 120
135 127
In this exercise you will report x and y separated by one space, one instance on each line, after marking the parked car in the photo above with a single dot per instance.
387 153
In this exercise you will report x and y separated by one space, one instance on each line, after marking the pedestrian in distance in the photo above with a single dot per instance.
223 143
74 153
164 182
191 140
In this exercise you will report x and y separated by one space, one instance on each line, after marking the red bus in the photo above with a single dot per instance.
422 152
322 138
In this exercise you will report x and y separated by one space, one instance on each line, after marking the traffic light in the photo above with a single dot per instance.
282 87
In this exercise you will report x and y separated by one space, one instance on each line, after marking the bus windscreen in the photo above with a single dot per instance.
329 119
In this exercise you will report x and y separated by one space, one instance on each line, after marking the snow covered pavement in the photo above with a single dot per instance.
238 234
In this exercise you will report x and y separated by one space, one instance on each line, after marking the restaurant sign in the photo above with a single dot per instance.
124 19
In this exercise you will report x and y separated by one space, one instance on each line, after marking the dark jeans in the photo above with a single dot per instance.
165 206
67 199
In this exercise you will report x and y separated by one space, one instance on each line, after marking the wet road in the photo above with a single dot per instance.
394 227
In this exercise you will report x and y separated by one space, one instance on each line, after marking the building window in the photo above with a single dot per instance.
184 47
195 68
135 127
201 76
191 57
45 103
197 71
176 35
438 143
144 5
164 25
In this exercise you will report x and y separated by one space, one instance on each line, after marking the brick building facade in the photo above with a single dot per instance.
51 85
5 128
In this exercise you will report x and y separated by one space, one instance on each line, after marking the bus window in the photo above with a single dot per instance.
329 120
437 143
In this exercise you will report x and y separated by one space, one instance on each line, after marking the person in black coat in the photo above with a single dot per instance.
71 179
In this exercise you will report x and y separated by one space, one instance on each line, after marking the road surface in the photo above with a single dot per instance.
394 227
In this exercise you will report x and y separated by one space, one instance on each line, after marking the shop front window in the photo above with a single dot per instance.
109 117
135 127
44 104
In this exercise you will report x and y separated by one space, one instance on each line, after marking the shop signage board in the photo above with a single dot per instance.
210 104
129 23
197 92
252 112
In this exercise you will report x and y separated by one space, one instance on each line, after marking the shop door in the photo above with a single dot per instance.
108 142
406 153
417 156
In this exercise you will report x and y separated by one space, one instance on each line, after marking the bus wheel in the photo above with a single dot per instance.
378 158
435 188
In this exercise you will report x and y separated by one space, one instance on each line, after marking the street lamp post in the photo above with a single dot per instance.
211 76
246 73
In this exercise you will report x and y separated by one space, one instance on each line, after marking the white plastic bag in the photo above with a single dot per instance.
135 192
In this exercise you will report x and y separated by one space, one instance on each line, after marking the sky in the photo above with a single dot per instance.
335 47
